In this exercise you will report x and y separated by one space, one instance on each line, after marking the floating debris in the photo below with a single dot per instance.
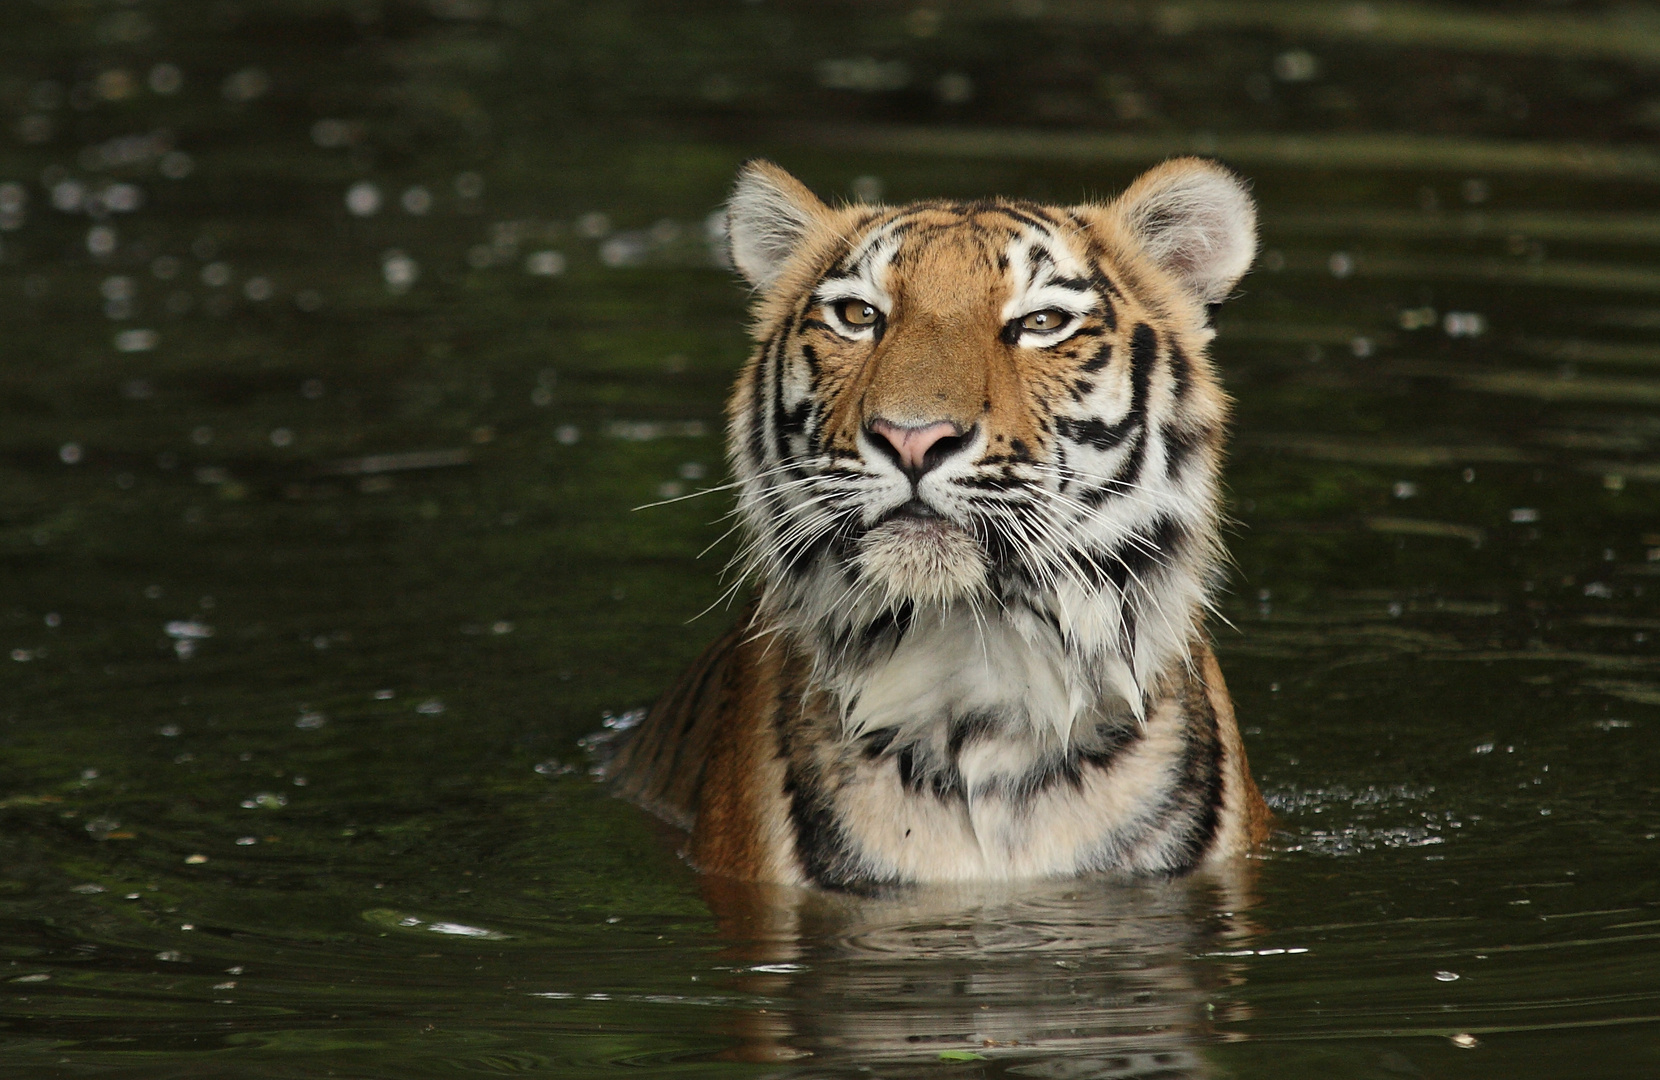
397 920
132 341
1419 527
1464 324
647 430
404 462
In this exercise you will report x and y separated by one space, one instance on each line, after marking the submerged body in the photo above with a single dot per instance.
977 449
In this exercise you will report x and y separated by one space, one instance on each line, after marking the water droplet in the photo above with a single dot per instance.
132 341
165 79
432 707
545 263
1405 489
258 289
69 453
246 841
593 225
170 731
176 165
1446 976
383 695
330 133
101 240
245 85
1464 324
416 200
567 434
281 437
1296 65
469 185
1465 1041
310 721
399 270
192 860
1523 515
952 88
1417 318
363 199
1341 264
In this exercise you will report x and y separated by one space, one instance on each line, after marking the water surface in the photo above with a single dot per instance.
341 340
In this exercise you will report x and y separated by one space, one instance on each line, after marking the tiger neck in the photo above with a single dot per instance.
1004 672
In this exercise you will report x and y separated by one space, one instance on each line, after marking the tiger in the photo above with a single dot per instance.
976 453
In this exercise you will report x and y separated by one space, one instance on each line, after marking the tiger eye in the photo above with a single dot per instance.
857 313
1047 319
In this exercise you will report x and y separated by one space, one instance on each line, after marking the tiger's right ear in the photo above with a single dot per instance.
767 217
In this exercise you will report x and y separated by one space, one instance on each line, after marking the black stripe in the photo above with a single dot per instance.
1102 357
1179 445
1144 350
1198 794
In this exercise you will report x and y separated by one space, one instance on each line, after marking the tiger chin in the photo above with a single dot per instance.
976 448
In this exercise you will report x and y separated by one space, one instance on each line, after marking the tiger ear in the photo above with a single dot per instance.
1196 220
767 217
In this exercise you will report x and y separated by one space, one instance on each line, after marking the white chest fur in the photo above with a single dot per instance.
998 758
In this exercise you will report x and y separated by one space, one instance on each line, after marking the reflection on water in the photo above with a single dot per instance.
339 340
1086 978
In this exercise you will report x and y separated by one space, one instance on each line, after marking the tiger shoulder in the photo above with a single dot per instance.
977 448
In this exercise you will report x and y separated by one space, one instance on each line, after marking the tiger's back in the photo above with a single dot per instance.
977 447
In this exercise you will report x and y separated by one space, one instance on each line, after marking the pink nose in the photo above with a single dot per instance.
913 443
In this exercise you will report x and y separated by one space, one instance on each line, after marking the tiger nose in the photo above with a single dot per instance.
919 449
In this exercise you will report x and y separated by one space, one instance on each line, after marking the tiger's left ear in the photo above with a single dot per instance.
1196 220
768 216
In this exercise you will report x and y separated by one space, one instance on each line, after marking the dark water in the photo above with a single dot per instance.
292 783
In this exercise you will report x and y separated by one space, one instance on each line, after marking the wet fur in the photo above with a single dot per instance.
997 668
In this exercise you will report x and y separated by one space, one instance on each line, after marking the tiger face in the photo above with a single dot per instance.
977 443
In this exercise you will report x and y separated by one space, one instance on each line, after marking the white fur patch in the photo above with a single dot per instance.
930 561
957 662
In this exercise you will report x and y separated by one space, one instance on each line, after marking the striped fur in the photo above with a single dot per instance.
977 449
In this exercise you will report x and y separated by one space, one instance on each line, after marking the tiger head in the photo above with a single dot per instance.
985 429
